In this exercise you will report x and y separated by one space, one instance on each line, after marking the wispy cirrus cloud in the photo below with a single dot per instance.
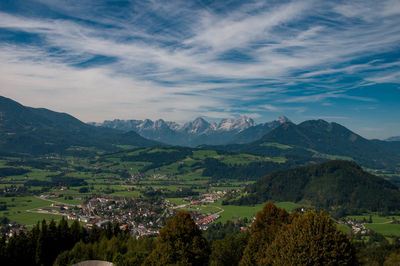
180 59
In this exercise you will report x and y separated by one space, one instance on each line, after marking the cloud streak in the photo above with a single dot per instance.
179 59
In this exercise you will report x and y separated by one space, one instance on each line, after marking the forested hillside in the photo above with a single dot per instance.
41 131
331 185
320 139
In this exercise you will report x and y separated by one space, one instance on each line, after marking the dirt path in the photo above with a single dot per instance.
58 202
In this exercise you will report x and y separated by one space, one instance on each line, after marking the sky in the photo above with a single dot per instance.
178 60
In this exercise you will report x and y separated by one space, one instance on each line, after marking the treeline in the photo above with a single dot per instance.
11 171
57 180
251 171
42 244
220 230
275 238
39 164
180 193
159 158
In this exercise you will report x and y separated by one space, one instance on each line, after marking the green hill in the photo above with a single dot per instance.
330 185
330 138
320 139
40 131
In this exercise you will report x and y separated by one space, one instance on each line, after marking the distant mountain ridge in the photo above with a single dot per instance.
41 131
318 138
198 131
396 138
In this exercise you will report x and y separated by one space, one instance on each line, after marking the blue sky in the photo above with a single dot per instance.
177 60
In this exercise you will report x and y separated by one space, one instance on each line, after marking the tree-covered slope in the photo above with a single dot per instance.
329 138
392 146
38 131
330 185
318 138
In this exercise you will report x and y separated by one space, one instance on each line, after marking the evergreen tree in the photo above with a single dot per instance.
64 235
3 246
42 244
180 243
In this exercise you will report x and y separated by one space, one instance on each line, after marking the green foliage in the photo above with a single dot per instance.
159 158
10 171
121 250
41 131
332 138
250 171
311 239
218 230
378 251
229 251
46 241
330 185
393 259
318 138
180 243
83 190
263 232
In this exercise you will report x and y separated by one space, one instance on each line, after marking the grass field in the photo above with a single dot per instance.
385 229
68 201
276 145
202 154
242 159
380 224
344 228
132 193
231 212
177 201
17 210
288 206
375 218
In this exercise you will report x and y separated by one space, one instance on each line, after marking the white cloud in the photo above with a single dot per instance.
181 70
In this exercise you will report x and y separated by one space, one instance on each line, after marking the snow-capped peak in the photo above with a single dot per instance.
198 126
282 119
238 125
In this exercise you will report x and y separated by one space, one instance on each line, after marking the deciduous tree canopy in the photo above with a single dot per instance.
180 243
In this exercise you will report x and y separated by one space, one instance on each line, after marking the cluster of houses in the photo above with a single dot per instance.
356 227
205 222
11 228
141 217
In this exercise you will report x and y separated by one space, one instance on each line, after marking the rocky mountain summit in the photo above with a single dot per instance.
198 131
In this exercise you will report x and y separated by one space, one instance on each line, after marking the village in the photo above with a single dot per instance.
141 216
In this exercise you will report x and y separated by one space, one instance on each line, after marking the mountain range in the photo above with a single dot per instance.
318 138
198 131
41 131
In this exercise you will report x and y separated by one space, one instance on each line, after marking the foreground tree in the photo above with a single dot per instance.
180 243
229 251
311 239
263 231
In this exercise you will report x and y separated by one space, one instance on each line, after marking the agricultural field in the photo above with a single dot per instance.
23 210
385 229
172 173
71 180
385 225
